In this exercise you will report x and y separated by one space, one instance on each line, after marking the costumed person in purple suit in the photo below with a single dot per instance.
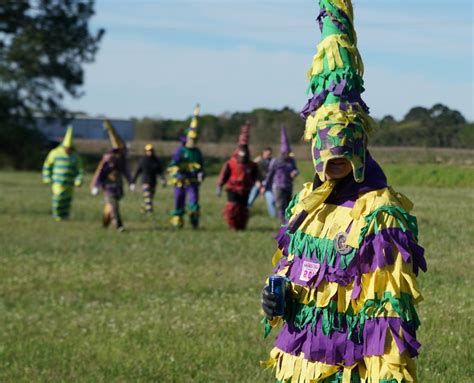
281 173
349 254
186 172
108 177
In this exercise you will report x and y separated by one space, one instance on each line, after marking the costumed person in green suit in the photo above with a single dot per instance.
349 255
108 176
63 170
186 172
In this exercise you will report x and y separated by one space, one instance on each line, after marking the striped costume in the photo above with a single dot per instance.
63 171
349 251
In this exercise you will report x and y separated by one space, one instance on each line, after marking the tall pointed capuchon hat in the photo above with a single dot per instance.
337 120
244 136
192 131
68 140
115 140
284 141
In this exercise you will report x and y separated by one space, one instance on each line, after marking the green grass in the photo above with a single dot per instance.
407 174
79 303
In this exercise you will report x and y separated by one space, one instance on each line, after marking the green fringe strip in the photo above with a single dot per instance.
321 248
301 315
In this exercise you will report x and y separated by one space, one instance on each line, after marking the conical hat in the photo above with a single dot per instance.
284 142
337 120
68 138
192 131
115 140
244 136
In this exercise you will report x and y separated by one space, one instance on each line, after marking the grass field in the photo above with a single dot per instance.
78 303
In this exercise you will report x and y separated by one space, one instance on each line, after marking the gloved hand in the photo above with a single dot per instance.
132 187
269 303
218 191
200 177
95 191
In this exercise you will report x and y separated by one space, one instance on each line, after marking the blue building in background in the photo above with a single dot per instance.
85 127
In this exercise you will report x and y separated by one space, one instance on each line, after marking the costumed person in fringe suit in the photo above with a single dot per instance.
149 168
349 252
63 170
281 173
238 175
108 176
186 172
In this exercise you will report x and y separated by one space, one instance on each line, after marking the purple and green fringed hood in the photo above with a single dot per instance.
337 120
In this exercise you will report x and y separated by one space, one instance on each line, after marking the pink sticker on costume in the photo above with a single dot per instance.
309 270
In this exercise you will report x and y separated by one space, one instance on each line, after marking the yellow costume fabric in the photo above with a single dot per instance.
62 171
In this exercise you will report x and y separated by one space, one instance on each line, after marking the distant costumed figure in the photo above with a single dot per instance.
263 164
281 173
186 172
349 254
238 175
149 168
63 170
108 177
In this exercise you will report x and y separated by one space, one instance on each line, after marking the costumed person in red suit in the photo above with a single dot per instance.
238 175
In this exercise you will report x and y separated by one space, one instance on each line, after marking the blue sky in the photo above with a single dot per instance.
159 57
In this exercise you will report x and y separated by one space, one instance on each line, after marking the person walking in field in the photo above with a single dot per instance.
186 173
63 170
281 173
263 162
349 254
149 168
109 177
238 175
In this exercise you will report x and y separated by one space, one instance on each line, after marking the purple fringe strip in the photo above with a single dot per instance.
336 348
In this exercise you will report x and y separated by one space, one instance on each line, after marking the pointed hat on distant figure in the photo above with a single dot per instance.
68 140
192 131
337 120
244 135
284 141
115 140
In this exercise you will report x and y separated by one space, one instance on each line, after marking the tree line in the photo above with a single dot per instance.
438 126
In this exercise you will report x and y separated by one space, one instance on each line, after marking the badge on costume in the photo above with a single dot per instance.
340 244
309 270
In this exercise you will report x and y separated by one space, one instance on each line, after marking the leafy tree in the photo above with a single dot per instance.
43 46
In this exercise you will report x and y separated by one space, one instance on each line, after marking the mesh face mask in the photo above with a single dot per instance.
338 141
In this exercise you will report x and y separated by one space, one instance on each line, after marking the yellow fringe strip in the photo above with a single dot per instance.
346 6
332 115
296 368
391 365
329 49
326 221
